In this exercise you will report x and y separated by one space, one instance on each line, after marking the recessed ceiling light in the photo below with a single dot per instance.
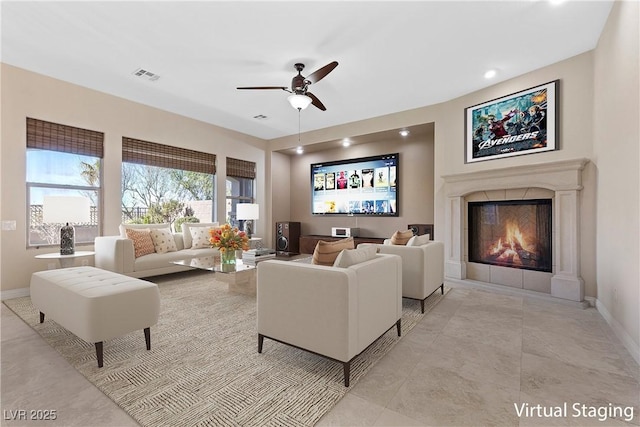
404 132
490 74
299 150
346 142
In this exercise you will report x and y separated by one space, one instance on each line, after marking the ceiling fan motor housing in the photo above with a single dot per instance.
299 83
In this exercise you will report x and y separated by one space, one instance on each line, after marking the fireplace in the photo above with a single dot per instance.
560 181
514 234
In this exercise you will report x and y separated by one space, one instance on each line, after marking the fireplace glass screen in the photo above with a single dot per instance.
511 233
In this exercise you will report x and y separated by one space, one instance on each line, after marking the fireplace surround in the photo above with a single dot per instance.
560 181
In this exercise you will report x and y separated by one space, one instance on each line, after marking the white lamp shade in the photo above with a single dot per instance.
245 211
63 209
299 102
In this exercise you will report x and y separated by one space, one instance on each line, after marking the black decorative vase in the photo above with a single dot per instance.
67 240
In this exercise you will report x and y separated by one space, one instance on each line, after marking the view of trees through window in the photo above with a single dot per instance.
58 174
152 194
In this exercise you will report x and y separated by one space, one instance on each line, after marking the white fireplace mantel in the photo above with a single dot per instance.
564 178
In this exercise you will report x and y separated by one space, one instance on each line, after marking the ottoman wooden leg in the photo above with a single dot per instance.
147 337
99 354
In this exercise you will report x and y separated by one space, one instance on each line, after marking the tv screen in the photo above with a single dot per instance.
364 186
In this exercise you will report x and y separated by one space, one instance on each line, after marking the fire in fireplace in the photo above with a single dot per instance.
513 234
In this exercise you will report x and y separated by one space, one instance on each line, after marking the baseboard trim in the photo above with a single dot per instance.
623 336
14 293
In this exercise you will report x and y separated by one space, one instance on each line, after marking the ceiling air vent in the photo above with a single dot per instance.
147 75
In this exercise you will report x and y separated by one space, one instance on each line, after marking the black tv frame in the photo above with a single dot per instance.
348 206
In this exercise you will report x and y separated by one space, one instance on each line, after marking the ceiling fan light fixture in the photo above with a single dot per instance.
299 102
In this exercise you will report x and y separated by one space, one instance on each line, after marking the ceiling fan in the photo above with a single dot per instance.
301 97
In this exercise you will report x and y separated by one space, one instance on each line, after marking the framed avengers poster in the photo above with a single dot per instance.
521 123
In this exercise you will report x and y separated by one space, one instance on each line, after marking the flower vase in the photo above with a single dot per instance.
228 260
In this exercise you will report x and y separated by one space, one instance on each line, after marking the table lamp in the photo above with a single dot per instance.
248 212
66 210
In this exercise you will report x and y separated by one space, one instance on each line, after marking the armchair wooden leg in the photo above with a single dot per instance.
99 355
41 317
398 327
442 289
422 305
260 341
346 367
147 337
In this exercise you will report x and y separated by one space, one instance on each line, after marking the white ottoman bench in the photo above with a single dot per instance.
96 305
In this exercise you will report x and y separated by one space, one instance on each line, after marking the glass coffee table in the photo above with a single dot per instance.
240 277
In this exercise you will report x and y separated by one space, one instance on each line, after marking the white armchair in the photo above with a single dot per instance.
331 311
422 268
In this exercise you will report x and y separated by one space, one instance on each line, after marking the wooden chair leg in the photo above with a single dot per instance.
422 305
346 367
41 317
399 327
99 354
442 289
260 341
147 337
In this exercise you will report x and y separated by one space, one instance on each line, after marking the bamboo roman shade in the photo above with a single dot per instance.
166 156
241 168
68 139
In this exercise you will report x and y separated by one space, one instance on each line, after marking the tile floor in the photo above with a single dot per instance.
475 359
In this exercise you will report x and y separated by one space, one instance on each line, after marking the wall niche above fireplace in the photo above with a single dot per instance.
511 233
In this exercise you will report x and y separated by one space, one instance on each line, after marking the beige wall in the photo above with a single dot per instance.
26 94
617 159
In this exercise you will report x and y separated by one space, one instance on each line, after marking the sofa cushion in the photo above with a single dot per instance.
401 237
348 257
326 253
124 227
186 230
142 242
419 240
163 240
200 237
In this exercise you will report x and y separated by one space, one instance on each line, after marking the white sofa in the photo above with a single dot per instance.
331 311
116 253
422 267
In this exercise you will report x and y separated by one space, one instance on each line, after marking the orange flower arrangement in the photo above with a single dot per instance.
227 238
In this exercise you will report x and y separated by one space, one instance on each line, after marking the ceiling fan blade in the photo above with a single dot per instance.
316 102
264 87
318 75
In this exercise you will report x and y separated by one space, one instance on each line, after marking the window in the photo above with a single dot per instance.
240 187
165 184
62 161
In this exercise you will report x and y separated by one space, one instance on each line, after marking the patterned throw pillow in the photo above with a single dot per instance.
401 237
349 257
200 237
326 253
188 226
163 240
142 242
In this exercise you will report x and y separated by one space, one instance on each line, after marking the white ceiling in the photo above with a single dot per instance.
392 55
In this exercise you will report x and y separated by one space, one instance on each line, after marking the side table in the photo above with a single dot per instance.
66 260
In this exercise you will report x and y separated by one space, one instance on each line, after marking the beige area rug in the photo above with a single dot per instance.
204 368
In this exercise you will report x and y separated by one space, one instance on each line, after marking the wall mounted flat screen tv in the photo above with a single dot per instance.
363 186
